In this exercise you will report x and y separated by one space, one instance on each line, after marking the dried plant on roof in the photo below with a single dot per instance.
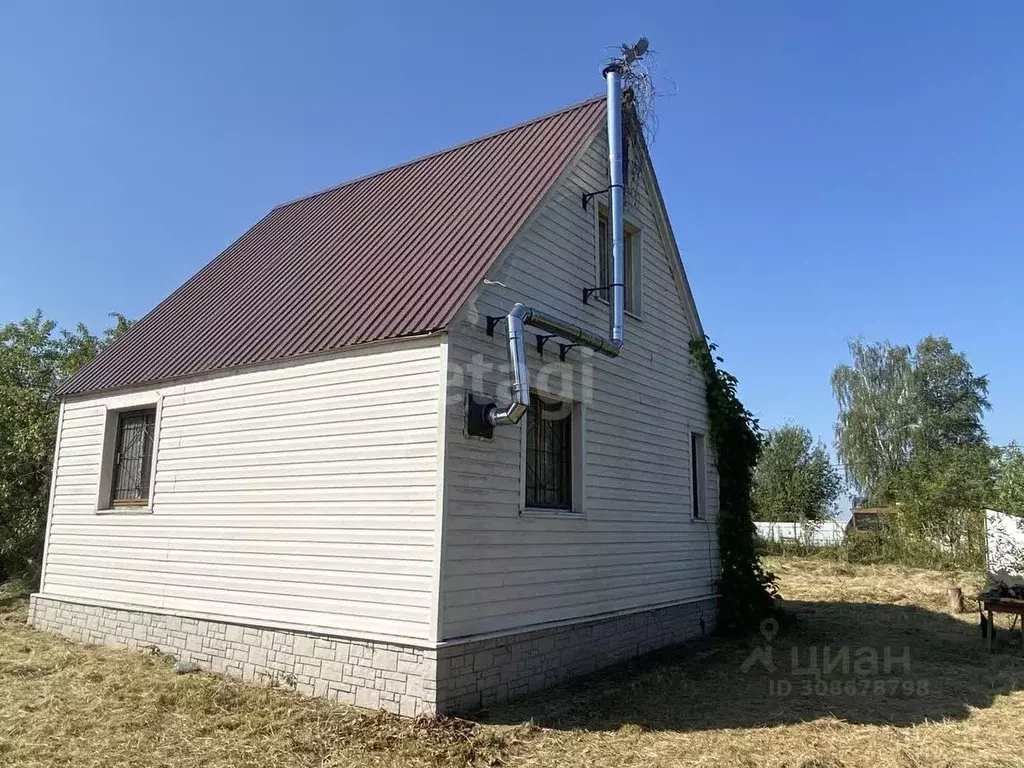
637 63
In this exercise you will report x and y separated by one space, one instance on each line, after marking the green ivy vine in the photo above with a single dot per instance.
746 590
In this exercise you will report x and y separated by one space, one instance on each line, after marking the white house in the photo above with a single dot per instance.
313 460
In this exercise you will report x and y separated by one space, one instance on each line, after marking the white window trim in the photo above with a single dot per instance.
635 281
690 432
578 511
112 409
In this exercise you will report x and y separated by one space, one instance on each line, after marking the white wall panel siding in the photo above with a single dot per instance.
301 495
635 544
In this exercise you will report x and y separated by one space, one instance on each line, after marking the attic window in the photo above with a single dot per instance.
133 458
631 240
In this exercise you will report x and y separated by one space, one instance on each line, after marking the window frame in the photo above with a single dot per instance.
698 465
576 508
148 417
114 409
634 274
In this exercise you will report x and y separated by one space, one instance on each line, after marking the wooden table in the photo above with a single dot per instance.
1003 605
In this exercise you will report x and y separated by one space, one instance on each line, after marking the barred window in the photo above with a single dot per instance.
605 274
133 458
549 456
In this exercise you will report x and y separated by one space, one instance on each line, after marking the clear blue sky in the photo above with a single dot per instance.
831 169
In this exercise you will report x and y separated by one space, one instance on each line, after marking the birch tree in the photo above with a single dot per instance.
873 431
898 405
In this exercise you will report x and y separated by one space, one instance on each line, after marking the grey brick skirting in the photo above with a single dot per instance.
482 673
378 675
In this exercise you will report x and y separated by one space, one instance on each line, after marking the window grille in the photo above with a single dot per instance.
549 456
133 458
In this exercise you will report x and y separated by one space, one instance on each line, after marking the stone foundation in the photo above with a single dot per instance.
376 675
482 673
457 677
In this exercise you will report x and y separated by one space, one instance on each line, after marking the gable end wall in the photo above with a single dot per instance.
634 546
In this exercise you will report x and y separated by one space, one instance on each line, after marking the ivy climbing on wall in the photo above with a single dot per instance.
746 590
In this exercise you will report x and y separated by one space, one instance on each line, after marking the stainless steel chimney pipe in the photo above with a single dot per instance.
616 320
521 315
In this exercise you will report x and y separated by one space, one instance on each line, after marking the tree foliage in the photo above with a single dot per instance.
795 480
872 432
911 436
948 400
1008 485
746 589
942 495
897 404
34 358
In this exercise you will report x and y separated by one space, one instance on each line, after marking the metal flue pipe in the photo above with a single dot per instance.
616 309
515 410
522 315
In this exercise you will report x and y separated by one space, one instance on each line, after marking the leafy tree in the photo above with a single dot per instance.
81 346
795 480
942 496
898 404
875 415
1008 488
948 399
34 359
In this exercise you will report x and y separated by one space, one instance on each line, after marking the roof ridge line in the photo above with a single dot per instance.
436 153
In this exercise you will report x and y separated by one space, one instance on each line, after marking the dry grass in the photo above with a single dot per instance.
66 704
62 704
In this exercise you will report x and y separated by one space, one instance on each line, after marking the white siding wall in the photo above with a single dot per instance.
303 496
635 544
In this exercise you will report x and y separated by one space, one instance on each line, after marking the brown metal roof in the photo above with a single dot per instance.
393 254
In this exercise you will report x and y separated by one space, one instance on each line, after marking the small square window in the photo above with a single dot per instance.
605 274
132 467
549 454
698 485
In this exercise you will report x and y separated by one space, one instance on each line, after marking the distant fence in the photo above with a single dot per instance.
1004 537
821 534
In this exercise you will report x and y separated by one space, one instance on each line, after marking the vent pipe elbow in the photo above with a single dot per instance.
520 385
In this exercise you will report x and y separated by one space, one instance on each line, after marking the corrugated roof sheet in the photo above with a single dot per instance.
388 255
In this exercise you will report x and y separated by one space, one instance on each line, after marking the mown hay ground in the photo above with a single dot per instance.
944 701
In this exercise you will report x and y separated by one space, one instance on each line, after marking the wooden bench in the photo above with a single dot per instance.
1002 605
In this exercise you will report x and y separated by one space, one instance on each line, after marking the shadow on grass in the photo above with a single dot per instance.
830 661
13 595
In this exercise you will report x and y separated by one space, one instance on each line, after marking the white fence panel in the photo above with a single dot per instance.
811 534
1005 538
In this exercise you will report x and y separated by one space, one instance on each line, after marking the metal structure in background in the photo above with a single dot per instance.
482 417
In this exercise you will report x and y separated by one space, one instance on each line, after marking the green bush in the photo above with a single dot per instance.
790 548
35 357
892 544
